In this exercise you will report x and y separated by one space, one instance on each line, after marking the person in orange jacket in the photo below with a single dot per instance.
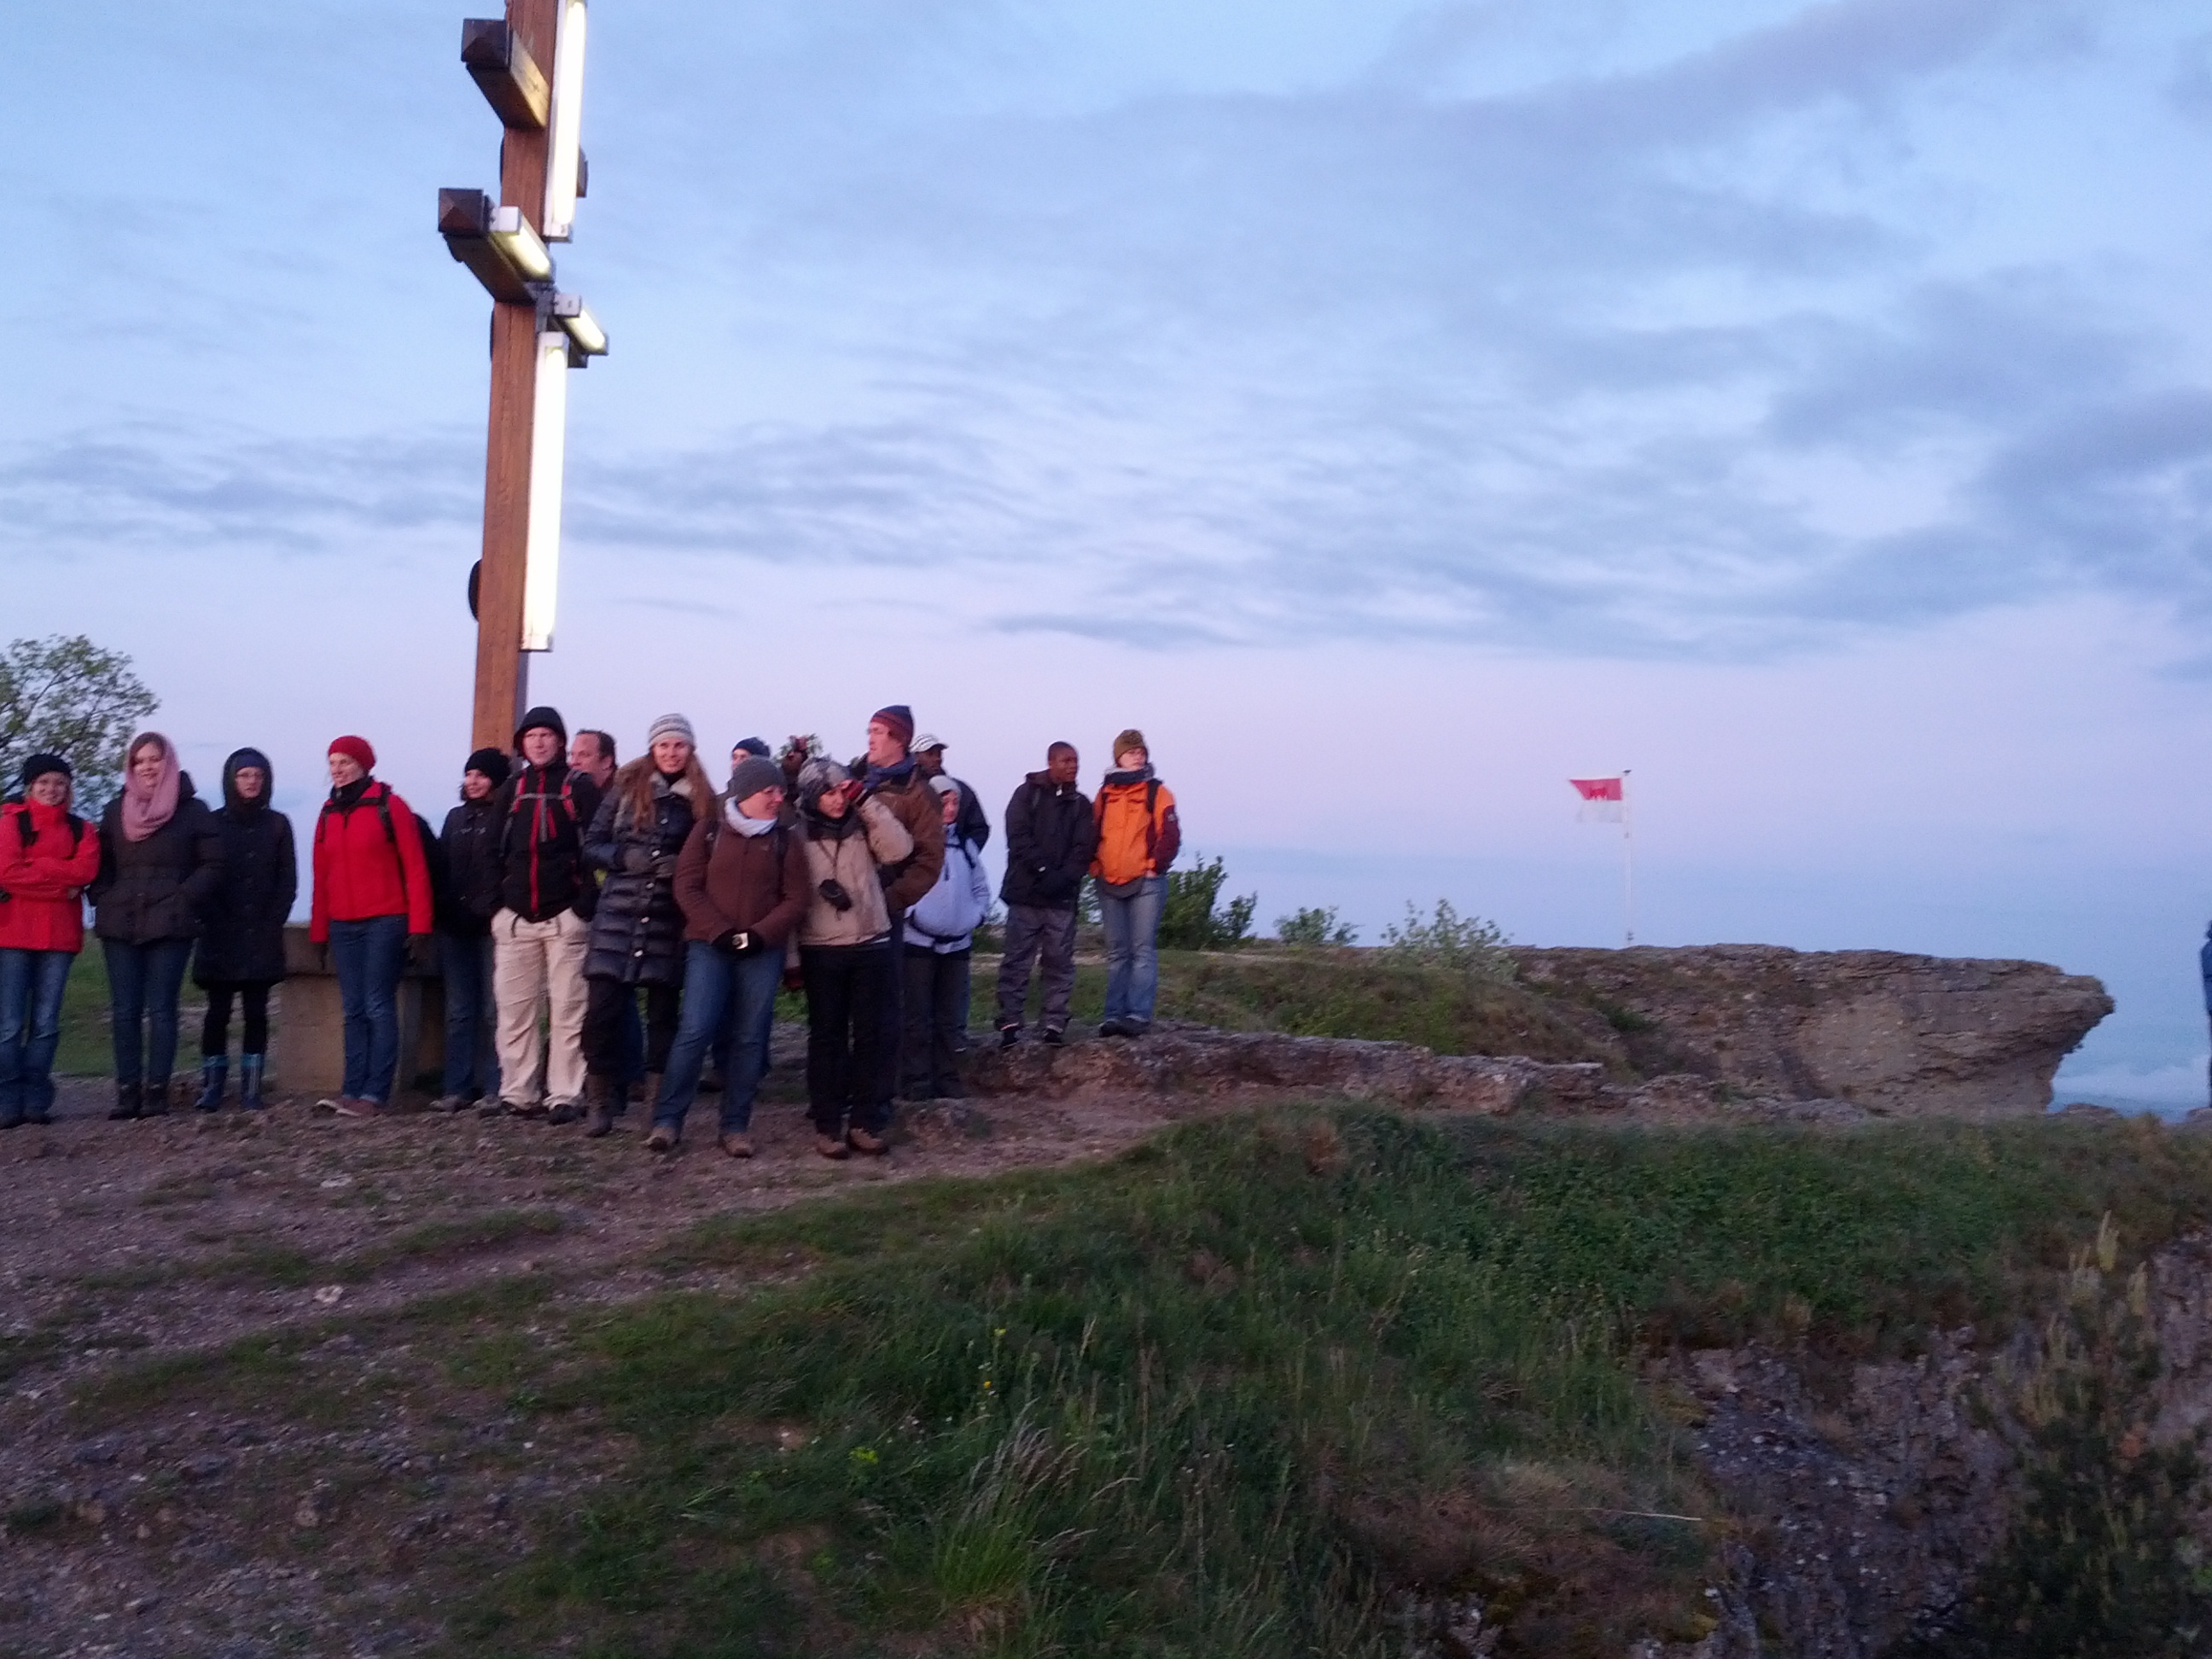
372 894
1139 835
48 857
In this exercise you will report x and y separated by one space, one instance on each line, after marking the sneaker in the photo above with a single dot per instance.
332 1103
358 1106
1112 1028
830 1145
861 1141
1135 1028
734 1144
1053 1039
566 1112
1009 1035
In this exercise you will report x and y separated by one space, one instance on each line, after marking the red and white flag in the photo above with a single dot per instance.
1604 800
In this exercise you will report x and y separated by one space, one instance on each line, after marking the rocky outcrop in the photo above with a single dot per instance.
1896 1035
1200 1061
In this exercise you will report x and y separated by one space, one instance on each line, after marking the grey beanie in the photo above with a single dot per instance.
671 725
817 775
752 775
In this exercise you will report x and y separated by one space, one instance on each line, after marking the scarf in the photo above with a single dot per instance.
145 811
744 825
345 799
1118 779
877 776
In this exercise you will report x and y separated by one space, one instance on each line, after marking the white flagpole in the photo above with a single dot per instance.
1627 860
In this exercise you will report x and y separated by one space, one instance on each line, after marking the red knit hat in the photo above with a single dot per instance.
357 749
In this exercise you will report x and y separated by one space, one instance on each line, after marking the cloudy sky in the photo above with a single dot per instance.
1393 409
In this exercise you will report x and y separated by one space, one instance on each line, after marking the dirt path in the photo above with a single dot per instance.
138 1523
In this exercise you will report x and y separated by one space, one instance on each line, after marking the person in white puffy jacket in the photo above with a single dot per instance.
940 933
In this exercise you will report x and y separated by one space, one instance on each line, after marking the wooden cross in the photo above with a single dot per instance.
530 66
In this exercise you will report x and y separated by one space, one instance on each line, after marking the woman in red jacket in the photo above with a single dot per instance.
372 893
48 856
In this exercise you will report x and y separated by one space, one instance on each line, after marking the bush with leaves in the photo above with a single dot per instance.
65 694
1448 939
2101 1558
1194 918
1314 926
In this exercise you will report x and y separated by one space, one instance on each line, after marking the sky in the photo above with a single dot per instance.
1393 409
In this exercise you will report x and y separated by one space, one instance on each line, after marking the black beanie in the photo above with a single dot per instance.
549 718
39 764
490 761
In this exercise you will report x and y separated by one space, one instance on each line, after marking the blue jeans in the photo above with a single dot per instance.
31 986
471 1021
369 955
142 983
731 998
1132 949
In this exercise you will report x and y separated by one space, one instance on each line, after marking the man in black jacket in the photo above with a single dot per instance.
1050 838
971 825
473 875
542 924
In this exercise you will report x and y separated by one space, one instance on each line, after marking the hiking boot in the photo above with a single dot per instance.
251 1070
524 1108
213 1072
830 1145
600 1091
566 1112
1054 1038
154 1102
1108 1027
734 1144
1009 1035
662 1140
1135 1028
862 1141
129 1103
450 1103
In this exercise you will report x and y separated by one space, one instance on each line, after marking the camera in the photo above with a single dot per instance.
833 891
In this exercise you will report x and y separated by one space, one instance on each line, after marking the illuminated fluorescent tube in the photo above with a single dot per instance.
572 314
541 568
518 244
564 142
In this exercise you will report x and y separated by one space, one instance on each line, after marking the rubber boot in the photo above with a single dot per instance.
599 1092
213 1072
250 1068
154 1101
128 1101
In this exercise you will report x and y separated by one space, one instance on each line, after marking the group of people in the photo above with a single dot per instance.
564 891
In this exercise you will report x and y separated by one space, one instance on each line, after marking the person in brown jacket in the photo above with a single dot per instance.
891 775
742 884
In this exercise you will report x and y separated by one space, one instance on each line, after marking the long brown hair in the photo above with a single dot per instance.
633 786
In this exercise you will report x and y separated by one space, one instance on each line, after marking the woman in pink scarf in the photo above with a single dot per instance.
161 860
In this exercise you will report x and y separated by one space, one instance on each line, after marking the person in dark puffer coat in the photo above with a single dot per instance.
160 863
241 948
468 851
637 930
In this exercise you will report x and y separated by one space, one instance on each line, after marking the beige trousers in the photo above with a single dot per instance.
539 964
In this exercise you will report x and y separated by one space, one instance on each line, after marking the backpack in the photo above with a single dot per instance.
1162 843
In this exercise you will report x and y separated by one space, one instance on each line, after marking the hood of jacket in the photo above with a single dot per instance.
232 801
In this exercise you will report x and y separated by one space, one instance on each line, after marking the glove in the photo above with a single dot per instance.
634 860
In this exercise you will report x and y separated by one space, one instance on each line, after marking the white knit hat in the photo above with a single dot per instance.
671 725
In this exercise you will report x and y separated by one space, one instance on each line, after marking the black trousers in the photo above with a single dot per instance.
253 1005
852 1035
604 1053
935 1020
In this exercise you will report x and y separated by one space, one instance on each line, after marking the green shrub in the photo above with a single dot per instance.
1315 926
1194 918
1449 939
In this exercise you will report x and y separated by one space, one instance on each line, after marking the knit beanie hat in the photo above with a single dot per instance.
490 761
752 746
39 764
817 775
671 726
541 716
1132 739
357 749
899 719
752 775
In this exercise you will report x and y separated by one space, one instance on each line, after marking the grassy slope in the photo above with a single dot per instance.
1220 1396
